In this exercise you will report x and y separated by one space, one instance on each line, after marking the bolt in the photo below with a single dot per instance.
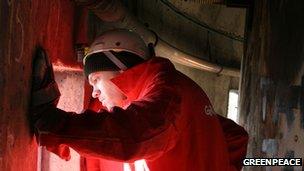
117 43
296 138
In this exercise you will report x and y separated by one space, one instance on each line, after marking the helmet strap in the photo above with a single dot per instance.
115 60
151 49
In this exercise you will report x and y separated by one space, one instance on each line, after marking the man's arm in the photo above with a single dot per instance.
237 140
144 130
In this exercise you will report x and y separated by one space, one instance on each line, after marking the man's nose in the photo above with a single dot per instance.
96 93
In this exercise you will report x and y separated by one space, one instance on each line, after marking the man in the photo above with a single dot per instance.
152 112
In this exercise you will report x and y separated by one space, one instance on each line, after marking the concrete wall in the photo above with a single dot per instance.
71 86
216 86
183 25
164 18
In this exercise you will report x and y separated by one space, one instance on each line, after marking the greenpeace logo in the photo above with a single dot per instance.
272 162
209 110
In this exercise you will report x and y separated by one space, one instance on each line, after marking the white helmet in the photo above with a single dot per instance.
118 40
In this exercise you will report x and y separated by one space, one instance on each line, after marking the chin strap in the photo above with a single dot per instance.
115 60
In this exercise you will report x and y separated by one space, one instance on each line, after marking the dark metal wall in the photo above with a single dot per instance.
271 89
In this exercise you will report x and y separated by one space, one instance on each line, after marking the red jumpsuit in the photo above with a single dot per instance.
167 120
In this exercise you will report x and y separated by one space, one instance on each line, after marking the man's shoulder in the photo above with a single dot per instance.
159 64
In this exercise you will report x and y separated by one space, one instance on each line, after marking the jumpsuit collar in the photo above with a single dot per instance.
128 80
131 81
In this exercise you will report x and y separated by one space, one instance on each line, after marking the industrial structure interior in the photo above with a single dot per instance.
246 55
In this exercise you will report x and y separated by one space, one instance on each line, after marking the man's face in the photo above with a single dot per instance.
105 90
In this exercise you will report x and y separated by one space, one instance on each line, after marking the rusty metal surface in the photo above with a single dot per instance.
24 24
17 144
270 99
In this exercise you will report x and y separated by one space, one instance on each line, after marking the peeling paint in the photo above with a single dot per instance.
287 99
265 85
270 146
290 118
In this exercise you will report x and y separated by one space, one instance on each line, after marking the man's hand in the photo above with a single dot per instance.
45 92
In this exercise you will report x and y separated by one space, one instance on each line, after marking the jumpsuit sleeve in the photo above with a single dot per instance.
144 130
237 140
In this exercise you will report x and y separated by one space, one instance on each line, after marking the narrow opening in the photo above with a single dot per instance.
233 98
70 84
